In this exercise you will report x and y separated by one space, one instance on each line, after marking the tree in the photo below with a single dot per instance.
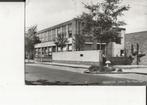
79 42
30 40
102 20
60 41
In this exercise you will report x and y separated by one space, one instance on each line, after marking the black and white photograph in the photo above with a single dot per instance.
86 42
72 52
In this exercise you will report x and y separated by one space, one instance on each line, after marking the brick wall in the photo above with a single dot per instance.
141 39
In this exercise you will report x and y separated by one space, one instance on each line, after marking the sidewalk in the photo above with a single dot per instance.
87 66
131 66
65 65
140 69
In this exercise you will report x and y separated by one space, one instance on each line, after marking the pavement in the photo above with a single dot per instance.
67 75
140 69
131 66
61 68
65 65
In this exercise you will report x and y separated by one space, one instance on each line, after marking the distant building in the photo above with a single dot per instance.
70 29
133 39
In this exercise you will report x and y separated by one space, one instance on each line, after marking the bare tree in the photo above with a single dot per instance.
30 40
79 42
60 41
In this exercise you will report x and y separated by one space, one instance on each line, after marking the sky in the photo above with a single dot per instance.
47 13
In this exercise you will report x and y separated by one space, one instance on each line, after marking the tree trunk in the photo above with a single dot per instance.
61 49
57 48
94 46
28 56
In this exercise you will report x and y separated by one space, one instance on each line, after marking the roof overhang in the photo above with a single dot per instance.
45 44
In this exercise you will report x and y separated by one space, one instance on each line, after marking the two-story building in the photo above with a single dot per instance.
70 29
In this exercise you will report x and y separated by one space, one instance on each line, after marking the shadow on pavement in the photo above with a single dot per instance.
104 83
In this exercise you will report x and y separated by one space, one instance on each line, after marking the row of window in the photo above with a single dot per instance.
49 50
51 34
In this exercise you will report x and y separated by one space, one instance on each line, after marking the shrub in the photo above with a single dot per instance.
109 69
119 70
94 68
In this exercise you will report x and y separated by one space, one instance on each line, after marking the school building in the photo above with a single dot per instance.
45 49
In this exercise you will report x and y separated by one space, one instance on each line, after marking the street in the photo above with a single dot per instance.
38 74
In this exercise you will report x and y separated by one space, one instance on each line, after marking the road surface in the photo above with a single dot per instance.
37 74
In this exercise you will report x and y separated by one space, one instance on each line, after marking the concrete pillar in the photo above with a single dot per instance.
67 31
109 49
74 31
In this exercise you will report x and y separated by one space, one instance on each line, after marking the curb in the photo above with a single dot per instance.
130 67
141 73
62 65
78 66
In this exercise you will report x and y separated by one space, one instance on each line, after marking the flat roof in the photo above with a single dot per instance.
55 26
63 23
137 33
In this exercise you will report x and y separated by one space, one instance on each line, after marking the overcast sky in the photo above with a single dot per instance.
46 13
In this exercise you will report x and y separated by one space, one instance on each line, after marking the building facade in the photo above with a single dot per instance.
70 29
47 38
133 39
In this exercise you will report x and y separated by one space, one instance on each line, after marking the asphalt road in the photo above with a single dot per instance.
36 74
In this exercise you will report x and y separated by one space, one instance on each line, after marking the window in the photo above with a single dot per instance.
46 50
59 48
81 55
118 40
49 49
100 46
45 36
42 51
122 52
53 34
65 48
36 52
70 30
49 36
53 48
41 37
64 30
59 30
70 47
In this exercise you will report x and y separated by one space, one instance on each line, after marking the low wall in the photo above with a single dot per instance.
120 60
77 57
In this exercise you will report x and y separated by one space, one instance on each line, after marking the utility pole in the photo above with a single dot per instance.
137 57
101 57
99 32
